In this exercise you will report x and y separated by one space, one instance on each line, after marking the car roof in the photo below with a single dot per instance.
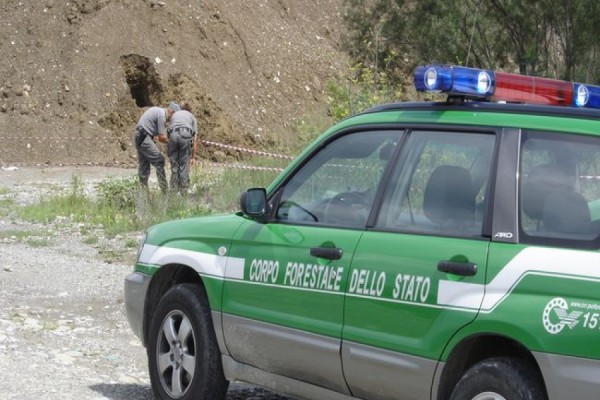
470 105
569 120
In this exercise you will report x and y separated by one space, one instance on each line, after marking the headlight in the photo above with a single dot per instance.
141 246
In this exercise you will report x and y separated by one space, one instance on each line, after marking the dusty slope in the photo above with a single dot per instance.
76 75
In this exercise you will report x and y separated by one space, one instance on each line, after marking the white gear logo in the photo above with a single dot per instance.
552 327
559 308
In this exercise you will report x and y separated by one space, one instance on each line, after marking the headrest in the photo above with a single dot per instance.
566 212
541 181
449 195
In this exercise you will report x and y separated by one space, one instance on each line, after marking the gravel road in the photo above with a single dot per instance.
63 329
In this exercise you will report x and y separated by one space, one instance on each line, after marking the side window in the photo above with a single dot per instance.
337 185
441 185
559 188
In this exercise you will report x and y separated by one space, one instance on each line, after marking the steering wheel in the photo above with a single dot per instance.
347 208
292 212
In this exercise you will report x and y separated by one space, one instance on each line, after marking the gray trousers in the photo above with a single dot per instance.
179 148
149 154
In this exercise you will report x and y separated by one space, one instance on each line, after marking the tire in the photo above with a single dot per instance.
183 355
501 378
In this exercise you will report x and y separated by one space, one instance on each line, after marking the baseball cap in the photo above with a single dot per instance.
174 106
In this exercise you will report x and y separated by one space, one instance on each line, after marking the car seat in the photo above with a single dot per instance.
566 213
541 181
549 197
448 199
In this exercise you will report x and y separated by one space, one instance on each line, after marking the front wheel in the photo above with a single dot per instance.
501 378
183 355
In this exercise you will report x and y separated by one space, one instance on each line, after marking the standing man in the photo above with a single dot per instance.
151 128
182 142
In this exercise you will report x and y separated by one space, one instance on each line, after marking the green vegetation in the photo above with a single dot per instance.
121 205
20 235
5 203
91 239
37 242
362 88
131 243
550 38
35 238
62 204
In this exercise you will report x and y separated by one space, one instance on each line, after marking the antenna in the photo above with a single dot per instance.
472 32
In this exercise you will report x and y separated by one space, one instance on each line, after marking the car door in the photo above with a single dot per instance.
401 305
283 301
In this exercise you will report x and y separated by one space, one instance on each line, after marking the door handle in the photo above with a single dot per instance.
458 268
330 253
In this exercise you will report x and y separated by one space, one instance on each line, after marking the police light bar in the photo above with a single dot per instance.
455 80
482 84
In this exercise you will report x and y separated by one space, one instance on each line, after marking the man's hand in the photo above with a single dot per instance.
162 137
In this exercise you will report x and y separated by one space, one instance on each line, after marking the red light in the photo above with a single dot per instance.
534 90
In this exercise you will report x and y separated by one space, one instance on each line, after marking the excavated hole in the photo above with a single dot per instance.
143 80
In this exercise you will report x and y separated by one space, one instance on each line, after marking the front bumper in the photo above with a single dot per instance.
136 286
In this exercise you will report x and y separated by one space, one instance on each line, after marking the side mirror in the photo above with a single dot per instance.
254 202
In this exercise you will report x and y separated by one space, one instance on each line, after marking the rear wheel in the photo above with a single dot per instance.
183 355
501 378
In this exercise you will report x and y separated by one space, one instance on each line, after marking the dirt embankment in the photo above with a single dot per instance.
76 75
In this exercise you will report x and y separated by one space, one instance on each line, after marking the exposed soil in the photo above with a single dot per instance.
76 75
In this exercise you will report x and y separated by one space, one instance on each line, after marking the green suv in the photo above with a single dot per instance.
437 251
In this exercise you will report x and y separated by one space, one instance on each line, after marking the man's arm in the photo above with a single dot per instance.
194 141
194 150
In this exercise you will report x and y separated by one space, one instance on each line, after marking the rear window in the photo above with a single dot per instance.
560 189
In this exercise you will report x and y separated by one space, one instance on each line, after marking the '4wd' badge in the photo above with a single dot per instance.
556 316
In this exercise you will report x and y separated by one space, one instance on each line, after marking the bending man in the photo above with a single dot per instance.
152 128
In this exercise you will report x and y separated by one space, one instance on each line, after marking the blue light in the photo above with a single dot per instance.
472 81
455 80
433 78
586 96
